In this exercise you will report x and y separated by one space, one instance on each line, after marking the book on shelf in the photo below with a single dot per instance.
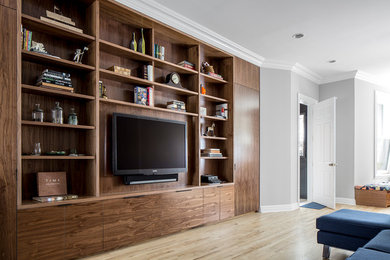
176 104
159 52
215 75
187 64
60 18
26 39
54 81
55 198
60 24
54 86
211 150
150 101
211 154
222 110
140 96
63 75
120 70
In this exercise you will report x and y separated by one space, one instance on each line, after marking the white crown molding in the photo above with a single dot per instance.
279 208
368 78
293 67
346 201
165 15
339 77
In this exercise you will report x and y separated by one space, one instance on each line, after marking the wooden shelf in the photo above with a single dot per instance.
166 65
214 138
57 157
180 91
45 124
217 184
33 56
31 204
122 78
214 99
124 103
35 24
52 92
213 158
214 118
210 79
118 50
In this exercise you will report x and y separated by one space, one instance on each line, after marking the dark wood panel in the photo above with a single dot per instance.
8 131
226 202
211 199
8 3
246 149
41 233
131 220
246 74
83 229
181 210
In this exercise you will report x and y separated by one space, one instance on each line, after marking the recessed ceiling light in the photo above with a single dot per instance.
298 35
331 61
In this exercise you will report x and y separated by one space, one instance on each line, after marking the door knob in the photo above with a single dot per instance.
332 164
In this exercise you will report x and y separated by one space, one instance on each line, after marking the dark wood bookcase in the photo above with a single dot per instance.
107 31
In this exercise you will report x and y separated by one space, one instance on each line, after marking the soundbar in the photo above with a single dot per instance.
147 179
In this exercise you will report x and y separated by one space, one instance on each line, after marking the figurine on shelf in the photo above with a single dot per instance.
38 47
211 130
141 42
78 55
37 114
102 90
57 10
206 67
203 89
37 149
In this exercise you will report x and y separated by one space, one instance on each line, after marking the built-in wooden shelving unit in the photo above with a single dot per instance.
90 175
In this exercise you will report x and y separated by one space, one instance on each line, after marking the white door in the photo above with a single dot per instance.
324 152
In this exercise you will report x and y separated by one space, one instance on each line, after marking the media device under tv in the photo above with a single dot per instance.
148 150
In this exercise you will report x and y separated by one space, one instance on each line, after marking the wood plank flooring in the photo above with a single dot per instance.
285 235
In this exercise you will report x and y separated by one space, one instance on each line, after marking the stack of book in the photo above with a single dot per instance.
55 198
26 39
215 75
61 21
187 65
159 52
177 105
147 72
211 152
55 80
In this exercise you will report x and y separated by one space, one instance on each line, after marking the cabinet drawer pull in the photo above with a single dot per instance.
183 190
134 197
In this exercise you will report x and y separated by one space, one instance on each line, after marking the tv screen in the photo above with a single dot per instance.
148 146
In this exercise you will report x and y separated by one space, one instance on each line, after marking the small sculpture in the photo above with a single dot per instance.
211 130
38 47
57 10
206 67
78 55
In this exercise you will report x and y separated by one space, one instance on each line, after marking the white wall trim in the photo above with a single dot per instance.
279 208
165 15
306 73
368 78
339 77
346 201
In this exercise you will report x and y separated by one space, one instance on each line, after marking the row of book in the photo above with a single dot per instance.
187 64
144 96
55 198
211 152
215 75
26 39
159 52
147 72
55 80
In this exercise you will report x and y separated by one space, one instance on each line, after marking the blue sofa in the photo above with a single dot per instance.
353 230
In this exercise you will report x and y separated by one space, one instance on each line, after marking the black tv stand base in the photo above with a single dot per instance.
147 179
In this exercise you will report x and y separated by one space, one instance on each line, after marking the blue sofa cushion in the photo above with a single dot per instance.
367 254
381 242
354 223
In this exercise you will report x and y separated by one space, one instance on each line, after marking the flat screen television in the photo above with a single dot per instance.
145 146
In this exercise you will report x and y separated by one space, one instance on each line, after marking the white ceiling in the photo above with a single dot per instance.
356 33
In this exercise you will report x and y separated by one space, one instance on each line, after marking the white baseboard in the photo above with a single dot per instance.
279 208
346 201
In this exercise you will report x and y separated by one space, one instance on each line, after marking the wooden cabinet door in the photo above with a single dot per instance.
130 220
181 210
246 149
211 200
41 233
84 229
226 202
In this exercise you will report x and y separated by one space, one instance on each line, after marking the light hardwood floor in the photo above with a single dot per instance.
285 235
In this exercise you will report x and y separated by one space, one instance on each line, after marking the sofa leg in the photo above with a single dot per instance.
326 252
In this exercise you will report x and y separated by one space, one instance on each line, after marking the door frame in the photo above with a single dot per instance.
308 101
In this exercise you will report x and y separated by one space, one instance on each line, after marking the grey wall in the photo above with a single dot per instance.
345 122
278 134
275 121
